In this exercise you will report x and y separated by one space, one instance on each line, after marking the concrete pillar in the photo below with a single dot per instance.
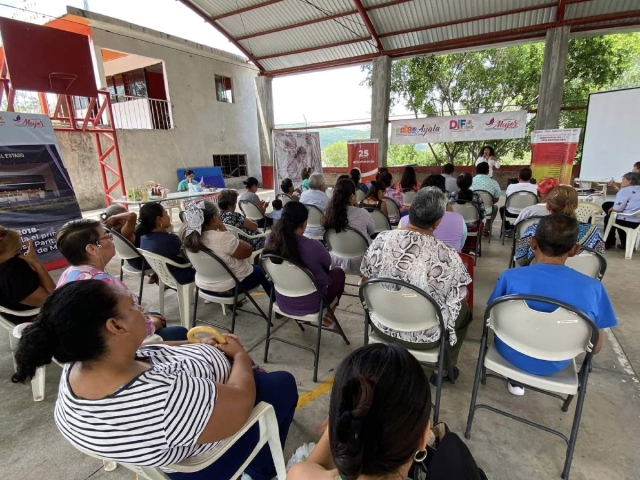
556 48
266 122
380 102
98 66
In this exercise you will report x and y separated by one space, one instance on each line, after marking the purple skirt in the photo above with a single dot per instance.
308 304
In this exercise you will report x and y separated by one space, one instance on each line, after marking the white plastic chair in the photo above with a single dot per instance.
251 210
245 236
15 332
519 229
329 191
284 198
487 199
471 214
314 220
516 202
291 280
588 261
210 269
383 298
633 239
560 335
380 220
408 197
127 251
349 244
360 195
392 207
160 264
263 414
588 212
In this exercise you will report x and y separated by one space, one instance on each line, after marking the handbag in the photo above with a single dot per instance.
448 458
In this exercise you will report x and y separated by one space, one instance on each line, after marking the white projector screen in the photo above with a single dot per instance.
611 137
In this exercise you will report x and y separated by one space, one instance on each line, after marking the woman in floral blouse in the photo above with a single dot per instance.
227 202
415 256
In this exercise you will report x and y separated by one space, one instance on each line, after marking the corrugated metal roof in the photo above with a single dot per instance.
283 36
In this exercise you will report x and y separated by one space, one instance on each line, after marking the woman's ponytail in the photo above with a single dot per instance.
37 346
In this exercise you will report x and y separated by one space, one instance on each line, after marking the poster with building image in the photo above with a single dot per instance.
294 151
36 195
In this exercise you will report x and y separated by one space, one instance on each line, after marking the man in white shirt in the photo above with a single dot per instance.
318 198
524 185
450 182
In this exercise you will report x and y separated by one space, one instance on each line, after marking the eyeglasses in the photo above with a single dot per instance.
106 236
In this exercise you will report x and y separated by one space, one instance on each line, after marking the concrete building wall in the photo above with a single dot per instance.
202 125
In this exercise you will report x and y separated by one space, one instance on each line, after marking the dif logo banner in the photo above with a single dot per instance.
464 124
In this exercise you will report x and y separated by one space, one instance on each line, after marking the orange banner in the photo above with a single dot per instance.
553 152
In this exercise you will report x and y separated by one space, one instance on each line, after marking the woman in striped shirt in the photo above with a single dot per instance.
151 405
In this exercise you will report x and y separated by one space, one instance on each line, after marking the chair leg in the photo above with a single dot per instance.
109 465
184 303
234 310
195 307
476 386
37 384
567 403
273 440
366 327
631 243
266 344
316 360
441 354
121 269
502 231
160 295
224 310
342 334
584 374
141 286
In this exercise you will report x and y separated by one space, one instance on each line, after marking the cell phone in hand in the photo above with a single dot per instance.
268 199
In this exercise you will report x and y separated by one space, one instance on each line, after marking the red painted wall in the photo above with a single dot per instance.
155 86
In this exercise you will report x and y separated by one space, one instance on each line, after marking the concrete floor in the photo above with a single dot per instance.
607 445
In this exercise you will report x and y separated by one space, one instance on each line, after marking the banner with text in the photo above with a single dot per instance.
363 155
36 196
461 128
294 151
553 152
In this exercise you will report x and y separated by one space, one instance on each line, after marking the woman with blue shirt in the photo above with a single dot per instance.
627 201
554 241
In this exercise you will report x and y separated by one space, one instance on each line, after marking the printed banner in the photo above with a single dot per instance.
461 128
363 155
553 152
294 151
36 196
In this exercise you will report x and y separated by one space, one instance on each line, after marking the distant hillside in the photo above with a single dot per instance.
333 135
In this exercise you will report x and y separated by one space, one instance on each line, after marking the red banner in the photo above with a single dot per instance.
363 155
553 152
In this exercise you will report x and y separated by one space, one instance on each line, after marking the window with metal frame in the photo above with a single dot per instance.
224 90
234 165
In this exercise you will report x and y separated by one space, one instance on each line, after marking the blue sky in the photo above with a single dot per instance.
328 96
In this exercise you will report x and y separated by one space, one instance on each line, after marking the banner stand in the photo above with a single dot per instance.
553 153
363 155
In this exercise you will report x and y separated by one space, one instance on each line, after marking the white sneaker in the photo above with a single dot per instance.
514 389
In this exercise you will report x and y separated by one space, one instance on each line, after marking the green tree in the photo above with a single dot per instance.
495 80
335 155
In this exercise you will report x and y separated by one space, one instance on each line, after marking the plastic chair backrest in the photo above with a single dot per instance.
288 279
392 207
349 243
518 201
522 226
587 211
315 216
380 220
560 335
159 264
408 197
487 198
124 248
329 192
8 324
589 262
385 298
208 266
360 195
251 210
284 198
467 209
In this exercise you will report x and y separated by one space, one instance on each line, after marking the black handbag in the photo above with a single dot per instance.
448 459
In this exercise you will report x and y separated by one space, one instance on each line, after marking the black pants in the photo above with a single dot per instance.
503 212
610 241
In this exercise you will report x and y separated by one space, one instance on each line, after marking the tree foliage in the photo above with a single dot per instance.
508 78
335 155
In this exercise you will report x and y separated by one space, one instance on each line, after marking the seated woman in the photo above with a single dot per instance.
286 186
342 213
227 203
183 186
250 195
154 405
627 201
562 200
408 181
89 249
355 178
287 240
395 195
155 237
119 220
415 256
375 197
204 231
379 424
24 281
305 174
